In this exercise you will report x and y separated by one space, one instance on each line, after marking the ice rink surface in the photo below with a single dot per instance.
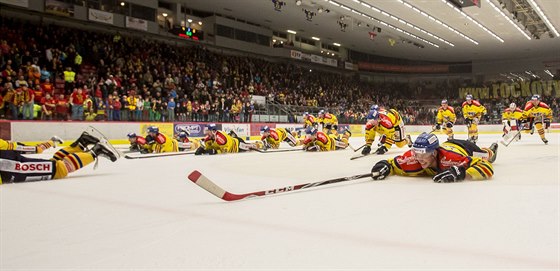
145 214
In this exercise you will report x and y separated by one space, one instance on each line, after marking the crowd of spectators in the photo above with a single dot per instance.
56 73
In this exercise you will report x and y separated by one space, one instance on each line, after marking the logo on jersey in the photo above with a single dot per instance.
446 163
33 167
220 139
406 160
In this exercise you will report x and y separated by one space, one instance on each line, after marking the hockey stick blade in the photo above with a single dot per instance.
206 184
155 155
277 150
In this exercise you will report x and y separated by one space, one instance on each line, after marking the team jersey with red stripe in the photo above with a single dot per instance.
222 143
323 141
275 137
540 111
448 155
473 110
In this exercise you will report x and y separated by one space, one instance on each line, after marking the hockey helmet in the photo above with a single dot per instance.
536 97
512 106
311 131
444 101
374 107
372 115
183 135
212 127
321 112
131 135
469 97
425 143
305 114
153 129
265 129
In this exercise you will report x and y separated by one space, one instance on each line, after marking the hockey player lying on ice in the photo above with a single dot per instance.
452 161
217 141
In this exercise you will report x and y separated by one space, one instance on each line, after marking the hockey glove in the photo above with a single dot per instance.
381 150
546 123
144 150
381 170
328 126
150 140
366 150
134 147
449 125
468 122
211 152
438 126
200 151
453 174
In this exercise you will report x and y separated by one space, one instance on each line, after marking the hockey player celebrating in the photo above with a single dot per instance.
452 161
39 148
511 119
320 141
217 141
329 122
140 143
472 112
160 142
390 127
445 119
186 144
309 120
18 168
271 138
538 113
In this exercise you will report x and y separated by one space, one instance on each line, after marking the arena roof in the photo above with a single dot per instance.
396 18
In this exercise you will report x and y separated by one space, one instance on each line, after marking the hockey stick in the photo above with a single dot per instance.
154 155
355 150
277 150
358 157
202 181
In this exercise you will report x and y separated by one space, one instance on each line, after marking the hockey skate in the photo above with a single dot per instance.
545 141
494 149
85 140
56 140
101 149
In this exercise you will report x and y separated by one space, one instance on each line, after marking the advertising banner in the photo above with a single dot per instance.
136 23
100 16
194 129
242 130
515 89
59 8
164 128
256 128
19 3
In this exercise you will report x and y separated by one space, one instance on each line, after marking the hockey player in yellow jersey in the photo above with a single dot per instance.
329 122
20 147
160 143
472 112
187 144
452 161
538 113
309 120
320 141
390 127
15 167
271 138
217 142
511 119
446 119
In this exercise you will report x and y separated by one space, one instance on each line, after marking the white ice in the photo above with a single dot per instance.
145 214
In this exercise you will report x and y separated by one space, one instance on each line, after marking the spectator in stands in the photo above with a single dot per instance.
62 107
77 99
48 107
69 80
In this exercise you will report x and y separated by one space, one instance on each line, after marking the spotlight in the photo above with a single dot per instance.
164 14
309 14
278 4
298 2
122 4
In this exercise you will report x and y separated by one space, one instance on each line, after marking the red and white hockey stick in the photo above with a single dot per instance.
202 181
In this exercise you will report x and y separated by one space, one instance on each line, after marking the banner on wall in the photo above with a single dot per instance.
514 89
256 128
194 129
19 3
314 58
59 8
136 23
242 130
100 16
350 66
258 99
367 66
